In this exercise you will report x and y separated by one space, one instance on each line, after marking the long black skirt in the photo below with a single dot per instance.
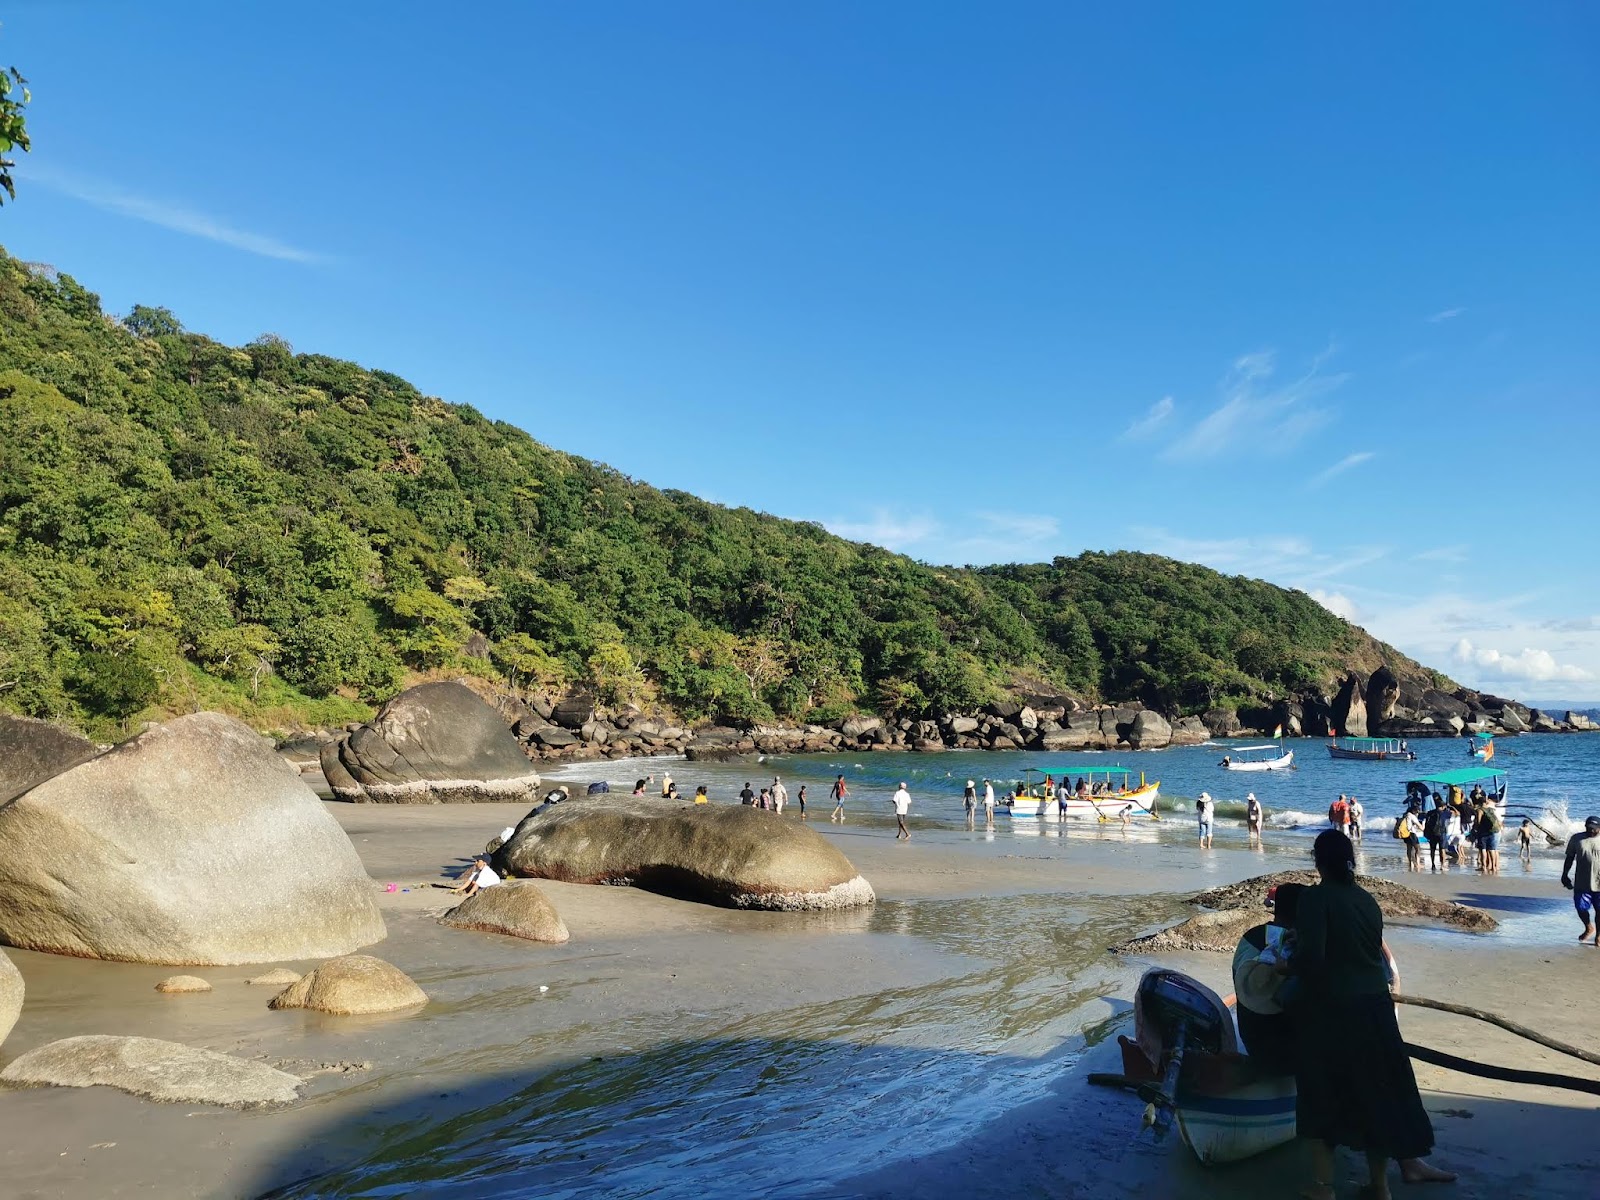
1354 1080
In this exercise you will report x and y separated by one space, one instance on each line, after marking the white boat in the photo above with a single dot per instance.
1187 1062
1281 760
1117 792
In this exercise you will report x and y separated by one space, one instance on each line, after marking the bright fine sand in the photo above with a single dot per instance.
935 1045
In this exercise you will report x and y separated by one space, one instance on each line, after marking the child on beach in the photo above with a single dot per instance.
700 796
801 797
1525 840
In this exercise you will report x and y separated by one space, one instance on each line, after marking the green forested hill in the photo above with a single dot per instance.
291 537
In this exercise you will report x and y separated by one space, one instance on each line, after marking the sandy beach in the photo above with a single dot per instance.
934 1045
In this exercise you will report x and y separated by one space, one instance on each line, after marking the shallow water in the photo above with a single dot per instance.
797 1101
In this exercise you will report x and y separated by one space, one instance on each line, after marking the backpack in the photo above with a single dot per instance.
1492 820
1400 826
1433 826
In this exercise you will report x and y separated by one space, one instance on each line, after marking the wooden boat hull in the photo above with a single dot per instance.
1282 763
1372 755
1243 1122
1108 808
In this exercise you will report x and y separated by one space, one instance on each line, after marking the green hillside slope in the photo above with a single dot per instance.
292 537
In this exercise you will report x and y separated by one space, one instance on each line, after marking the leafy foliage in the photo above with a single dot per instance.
13 124
182 521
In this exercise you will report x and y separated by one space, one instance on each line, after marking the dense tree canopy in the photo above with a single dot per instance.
293 537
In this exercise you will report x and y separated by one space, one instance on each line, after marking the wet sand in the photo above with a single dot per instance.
934 1045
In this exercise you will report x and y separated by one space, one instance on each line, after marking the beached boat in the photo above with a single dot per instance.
1186 1061
1280 760
1116 791
1369 749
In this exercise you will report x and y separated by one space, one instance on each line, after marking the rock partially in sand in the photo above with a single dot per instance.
434 744
1203 931
177 984
353 985
1395 899
519 909
733 855
154 1069
11 991
192 844
33 751
280 977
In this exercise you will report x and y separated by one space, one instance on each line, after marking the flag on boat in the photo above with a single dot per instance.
1278 732
1488 751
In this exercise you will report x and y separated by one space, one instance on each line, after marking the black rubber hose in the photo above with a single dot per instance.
1506 1074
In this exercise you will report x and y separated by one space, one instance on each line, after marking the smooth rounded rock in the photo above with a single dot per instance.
155 1069
178 984
733 855
516 908
11 993
352 985
32 751
192 844
433 744
281 977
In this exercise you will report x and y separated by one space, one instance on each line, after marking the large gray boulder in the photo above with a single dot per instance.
437 743
154 1069
10 996
1350 708
32 751
192 844
1149 731
733 855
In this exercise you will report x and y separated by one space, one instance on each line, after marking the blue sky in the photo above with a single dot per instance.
1300 293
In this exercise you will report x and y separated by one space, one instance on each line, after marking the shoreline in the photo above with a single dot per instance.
972 998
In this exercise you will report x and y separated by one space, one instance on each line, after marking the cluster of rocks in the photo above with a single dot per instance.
1384 704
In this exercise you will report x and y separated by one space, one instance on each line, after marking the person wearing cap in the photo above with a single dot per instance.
1581 872
902 808
969 800
479 876
1205 809
1252 816
1353 1078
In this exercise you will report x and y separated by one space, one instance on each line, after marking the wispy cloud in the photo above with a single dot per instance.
1287 559
1445 314
978 538
1573 624
1337 603
1255 417
1322 478
1160 413
113 198
1445 554
1529 666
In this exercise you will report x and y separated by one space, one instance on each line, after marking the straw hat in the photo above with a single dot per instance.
1257 987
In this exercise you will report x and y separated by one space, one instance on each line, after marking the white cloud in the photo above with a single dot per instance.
1027 527
1446 554
1160 413
1255 418
1286 559
1445 314
1337 603
1339 468
890 530
176 217
1530 666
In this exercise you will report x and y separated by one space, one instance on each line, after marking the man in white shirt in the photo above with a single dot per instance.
479 876
988 805
902 806
1356 813
780 794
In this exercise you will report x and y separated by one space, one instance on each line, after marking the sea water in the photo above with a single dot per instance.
1553 778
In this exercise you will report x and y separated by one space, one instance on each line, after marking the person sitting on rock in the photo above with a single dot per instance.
700 796
477 877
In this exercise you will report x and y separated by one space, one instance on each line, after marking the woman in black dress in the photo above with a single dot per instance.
1352 1073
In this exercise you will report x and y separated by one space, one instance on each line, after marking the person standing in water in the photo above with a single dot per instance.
1252 817
902 808
1205 810
988 805
780 794
837 793
969 800
1356 813
801 797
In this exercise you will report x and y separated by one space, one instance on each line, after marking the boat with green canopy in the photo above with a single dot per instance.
1371 749
1454 785
1100 792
